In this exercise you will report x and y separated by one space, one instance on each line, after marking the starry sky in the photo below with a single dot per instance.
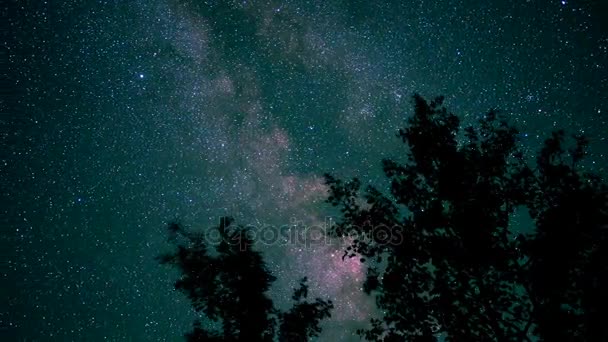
119 116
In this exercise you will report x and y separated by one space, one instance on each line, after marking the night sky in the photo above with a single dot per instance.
119 116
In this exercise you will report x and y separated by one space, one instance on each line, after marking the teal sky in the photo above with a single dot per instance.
123 115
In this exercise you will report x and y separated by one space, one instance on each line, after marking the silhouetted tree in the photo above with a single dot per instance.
229 285
454 268
302 322
567 271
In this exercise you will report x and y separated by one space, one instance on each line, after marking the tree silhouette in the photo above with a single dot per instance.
568 256
453 267
228 286
302 322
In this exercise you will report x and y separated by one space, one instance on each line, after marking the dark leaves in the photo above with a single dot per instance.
460 270
229 287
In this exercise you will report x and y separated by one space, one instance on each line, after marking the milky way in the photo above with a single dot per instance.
125 115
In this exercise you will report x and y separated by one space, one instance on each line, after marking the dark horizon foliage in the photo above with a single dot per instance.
228 287
459 269
461 273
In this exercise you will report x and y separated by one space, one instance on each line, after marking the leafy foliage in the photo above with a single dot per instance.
229 287
568 256
302 322
454 267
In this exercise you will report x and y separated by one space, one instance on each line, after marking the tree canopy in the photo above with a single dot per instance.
444 259
228 286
